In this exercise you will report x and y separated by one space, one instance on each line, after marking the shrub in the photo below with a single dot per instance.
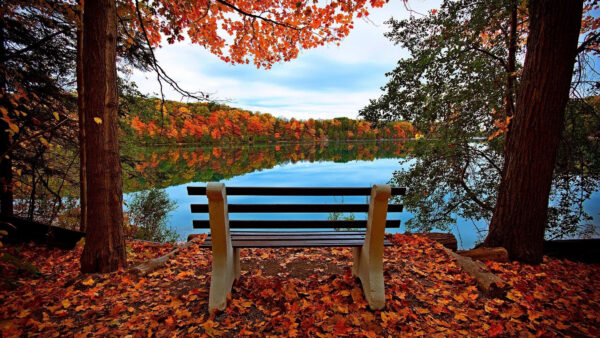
148 213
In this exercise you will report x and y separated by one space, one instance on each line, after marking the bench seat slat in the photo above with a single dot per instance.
296 237
272 239
295 191
295 244
285 233
287 224
292 208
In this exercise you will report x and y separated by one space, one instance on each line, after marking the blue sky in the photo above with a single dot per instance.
325 82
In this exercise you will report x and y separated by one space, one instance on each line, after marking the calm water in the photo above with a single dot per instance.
296 165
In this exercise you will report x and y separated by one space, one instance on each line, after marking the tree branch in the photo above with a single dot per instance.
586 43
37 44
241 11
471 194
161 75
493 56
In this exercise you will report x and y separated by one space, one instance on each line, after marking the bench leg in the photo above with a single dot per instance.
226 259
368 259
223 274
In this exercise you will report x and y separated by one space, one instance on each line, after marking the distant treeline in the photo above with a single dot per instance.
216 123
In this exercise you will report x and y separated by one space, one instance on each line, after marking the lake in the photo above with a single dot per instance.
336 164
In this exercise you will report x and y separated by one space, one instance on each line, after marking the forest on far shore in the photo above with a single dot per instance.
205 122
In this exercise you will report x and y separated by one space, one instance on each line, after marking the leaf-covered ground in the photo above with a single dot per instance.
296 292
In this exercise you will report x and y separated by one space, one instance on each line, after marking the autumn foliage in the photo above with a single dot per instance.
206 123
297 292
242 31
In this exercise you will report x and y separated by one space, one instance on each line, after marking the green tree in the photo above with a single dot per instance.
36 61
521 211
148 213
458 87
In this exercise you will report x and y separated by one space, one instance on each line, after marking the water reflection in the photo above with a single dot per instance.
334 164
163 167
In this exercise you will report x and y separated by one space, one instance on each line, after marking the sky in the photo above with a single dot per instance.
322 83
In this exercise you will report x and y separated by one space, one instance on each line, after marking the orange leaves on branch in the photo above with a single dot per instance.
501 127
242 31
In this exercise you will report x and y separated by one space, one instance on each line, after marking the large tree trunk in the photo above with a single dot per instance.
80 105
520 214
104 249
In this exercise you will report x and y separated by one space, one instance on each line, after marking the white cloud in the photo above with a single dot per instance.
325 82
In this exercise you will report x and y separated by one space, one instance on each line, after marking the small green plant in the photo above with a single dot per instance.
339 216
148 213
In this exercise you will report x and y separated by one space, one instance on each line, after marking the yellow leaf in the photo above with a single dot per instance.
14 127
98 120
513 295
460 316
89 281
4 111
175 303
66 303
56 116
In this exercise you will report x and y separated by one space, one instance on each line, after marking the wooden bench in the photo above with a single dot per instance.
368 244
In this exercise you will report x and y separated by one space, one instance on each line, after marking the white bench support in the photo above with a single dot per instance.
368 259
226 259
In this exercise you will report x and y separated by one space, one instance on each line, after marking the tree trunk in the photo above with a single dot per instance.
80 106
486 254
520 214
488 283
104 249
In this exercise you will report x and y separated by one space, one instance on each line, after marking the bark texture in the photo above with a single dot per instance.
156 263
486 254
104 249
520 214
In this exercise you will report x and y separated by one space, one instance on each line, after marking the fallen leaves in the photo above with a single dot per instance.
297 292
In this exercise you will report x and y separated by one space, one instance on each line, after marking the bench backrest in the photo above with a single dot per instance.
294 208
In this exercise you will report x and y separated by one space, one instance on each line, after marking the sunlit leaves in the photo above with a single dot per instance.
242 32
